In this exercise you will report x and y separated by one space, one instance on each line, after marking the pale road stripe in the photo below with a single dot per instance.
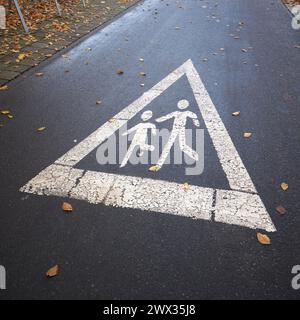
231 162
229 206
240 206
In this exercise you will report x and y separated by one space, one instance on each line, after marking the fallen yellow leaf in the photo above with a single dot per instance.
5 112
143 74
41 129
185 186
98 102
284 186
2 88
53 271
247 135
263 239
67 207
21 56
39 74
236 114
154 168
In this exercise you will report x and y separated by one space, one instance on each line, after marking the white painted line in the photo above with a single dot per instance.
233 207
239 206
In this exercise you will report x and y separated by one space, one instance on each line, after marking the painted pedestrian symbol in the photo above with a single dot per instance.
179 130
140 138
239 204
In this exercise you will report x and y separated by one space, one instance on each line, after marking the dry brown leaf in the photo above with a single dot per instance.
120 72
67 207
263 239
284 186
53 271
236 113
2 88
154 168
247 135
281 210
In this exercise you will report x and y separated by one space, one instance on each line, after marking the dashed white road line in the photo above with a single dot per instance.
239 206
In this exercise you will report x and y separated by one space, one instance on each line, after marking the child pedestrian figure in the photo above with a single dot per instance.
140 136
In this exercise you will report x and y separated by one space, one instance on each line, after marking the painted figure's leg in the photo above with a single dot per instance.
167 149
128 154
187 149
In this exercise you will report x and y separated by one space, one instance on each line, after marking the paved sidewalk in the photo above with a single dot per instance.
20 51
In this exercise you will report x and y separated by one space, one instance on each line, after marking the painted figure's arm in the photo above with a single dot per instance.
131 130
194 117
166 117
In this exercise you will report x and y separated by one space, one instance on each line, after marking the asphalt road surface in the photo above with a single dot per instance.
232 56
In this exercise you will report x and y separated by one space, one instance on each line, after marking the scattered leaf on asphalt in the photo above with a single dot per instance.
141 59
53 271
39 74
9 116
111 120
244 50
41 129
185 186
143 74
98 102
247 135
2 88
120 72
281 210
236 113
5 112
67 207
263 239
154 168
284 186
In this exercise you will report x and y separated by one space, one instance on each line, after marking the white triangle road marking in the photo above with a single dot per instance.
241 205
